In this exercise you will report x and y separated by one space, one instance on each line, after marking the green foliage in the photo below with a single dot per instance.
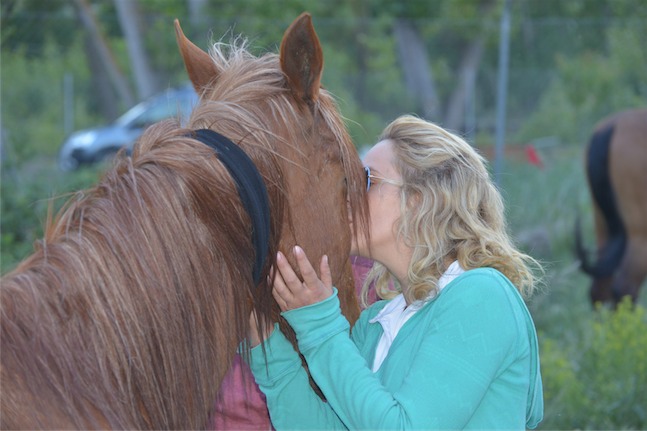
591 85
32 100
555 116
564 395
373 79
22 207
541 226
29 24
599 382
28 193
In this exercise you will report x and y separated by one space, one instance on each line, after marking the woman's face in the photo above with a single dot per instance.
383 203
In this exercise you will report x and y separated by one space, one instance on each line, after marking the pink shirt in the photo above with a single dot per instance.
240 404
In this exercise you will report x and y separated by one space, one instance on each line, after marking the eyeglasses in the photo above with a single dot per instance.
370 177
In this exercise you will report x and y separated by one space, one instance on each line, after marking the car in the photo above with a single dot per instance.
96 145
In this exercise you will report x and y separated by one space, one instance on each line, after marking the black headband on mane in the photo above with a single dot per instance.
251 189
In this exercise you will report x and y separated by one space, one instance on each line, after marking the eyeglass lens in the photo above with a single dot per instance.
367 170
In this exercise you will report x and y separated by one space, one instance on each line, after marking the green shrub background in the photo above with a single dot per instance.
599 380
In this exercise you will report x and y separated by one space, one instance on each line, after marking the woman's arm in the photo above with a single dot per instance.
291 401
465 343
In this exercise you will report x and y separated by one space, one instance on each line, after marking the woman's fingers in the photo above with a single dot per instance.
281 291
283 304
307 271
290 292
326 275
287 275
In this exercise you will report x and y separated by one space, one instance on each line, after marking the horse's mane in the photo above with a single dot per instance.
130 271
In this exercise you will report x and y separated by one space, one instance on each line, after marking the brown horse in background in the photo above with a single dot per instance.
132 307
616 167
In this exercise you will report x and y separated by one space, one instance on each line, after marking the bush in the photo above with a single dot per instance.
598 382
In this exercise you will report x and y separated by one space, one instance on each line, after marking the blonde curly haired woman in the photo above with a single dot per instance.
453 345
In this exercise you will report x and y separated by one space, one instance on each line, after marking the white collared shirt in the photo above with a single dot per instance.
396 313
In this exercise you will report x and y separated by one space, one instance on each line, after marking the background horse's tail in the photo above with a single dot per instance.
597 168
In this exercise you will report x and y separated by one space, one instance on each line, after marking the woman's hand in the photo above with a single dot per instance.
290 292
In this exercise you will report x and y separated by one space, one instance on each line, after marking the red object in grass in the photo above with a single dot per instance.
533 156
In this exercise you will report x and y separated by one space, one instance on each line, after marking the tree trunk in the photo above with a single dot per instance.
102 56
461 101
106 98
464 91
129 19
196 12
417 73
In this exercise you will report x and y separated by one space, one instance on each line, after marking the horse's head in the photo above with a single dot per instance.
275 108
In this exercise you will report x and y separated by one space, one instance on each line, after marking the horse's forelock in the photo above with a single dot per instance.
353 170
248 87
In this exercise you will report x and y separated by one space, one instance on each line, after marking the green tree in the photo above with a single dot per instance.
27 25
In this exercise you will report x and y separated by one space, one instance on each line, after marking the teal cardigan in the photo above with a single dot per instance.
468 359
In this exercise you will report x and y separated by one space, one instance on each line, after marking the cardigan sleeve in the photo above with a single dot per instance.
467 338
279 373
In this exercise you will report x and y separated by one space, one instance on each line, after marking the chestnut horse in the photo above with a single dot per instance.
131 309
616 167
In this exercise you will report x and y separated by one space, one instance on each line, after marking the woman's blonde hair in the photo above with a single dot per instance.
451 210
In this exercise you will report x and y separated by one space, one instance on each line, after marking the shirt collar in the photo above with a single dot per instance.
397 308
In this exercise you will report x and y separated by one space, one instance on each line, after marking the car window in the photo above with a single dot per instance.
157 109
132 114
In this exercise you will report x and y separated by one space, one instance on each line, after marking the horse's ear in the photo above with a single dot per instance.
199 65
302 58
